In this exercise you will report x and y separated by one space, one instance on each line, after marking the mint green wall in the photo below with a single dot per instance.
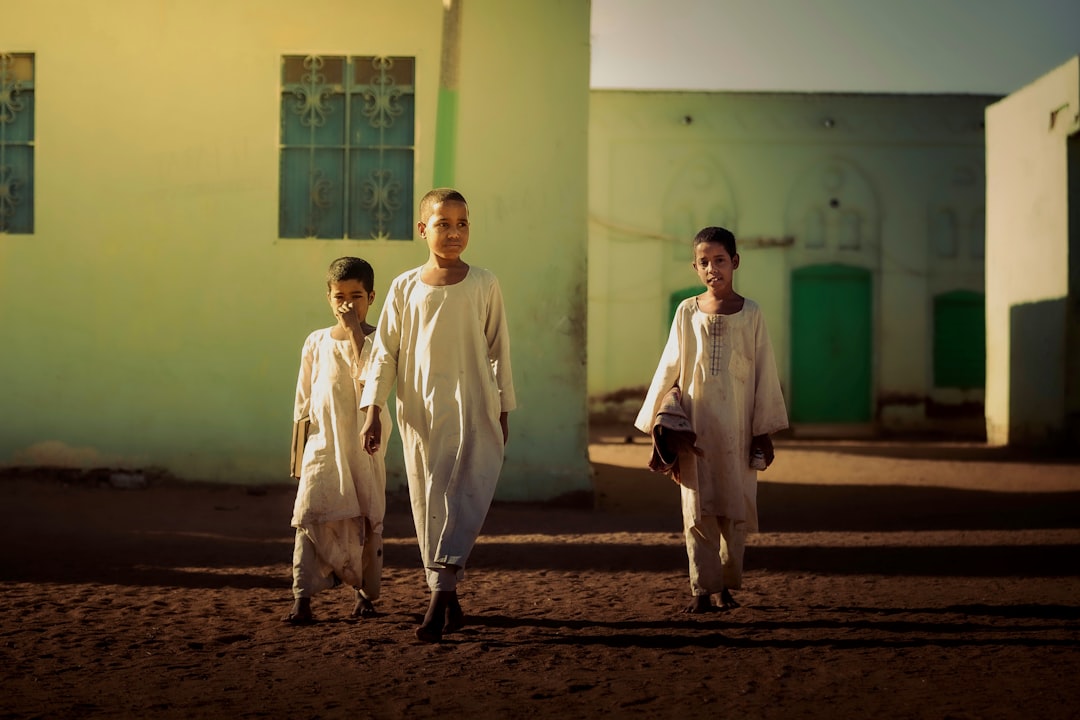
522 163
1029 341
664 164
154 318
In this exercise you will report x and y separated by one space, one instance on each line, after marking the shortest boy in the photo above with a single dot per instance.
341 498
719 356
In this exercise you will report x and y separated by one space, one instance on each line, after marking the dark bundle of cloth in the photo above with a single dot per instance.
672 435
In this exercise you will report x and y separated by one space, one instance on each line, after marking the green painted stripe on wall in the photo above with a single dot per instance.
446 138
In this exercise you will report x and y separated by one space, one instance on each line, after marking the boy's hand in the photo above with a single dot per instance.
371 433
764 442
346 313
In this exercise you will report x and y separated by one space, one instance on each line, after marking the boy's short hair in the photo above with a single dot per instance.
351 268
436 196
717 235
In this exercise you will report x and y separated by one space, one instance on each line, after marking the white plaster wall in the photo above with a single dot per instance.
1027 255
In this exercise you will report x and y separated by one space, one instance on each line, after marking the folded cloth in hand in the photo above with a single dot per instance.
672 435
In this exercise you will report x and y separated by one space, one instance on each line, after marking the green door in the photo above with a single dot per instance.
831 342
678 296
960 340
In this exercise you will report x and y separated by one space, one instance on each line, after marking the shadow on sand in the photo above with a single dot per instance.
199 537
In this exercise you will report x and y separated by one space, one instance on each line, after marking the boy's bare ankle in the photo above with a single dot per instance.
699 604
455 616
364 608
300 614
431 629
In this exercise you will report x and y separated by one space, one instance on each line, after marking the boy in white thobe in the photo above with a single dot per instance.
719 354
341 498
443 339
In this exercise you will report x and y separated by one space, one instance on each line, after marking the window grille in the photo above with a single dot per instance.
16 143
347 147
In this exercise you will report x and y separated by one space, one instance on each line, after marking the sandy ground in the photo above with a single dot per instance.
892 580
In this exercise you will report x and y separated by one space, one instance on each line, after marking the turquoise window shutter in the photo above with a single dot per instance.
347 147
16 143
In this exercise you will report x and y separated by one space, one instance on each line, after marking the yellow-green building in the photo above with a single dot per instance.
177 175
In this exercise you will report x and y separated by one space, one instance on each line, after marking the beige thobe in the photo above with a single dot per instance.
341 497
447 348
725 367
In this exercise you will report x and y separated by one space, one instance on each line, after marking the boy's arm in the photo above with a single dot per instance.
381 371
301 408
498 339
665 377
769 410
354 329
372 430
302 401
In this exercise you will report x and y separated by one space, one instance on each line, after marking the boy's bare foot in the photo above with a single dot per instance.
455 616
300 613
727 601
431 630
700 604
364 608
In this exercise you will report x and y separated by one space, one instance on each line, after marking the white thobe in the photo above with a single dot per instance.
448 350
725 367
341 497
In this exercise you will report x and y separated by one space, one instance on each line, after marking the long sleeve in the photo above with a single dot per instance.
383 368
665 378
302 404
498 339
770 411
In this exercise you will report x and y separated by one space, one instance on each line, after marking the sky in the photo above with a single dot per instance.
894 46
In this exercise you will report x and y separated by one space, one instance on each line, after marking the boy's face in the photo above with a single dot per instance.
714 266
350 291
447 229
